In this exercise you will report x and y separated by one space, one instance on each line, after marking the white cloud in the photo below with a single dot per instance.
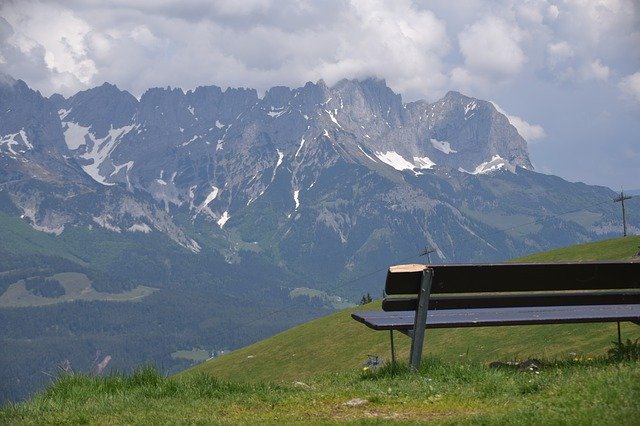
256 43
595 70
240 8
261 43
491 49
630 86
559 51
529 132
531 11
598 19
57 37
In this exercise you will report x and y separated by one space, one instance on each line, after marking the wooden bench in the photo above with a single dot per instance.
444 296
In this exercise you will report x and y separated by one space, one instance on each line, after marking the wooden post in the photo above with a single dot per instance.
420 319
621 199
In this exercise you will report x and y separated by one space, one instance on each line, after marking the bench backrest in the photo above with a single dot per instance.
514 284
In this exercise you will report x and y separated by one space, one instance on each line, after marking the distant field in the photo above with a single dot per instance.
336 302
77 286
192 355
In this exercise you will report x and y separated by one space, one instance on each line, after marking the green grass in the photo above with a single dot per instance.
587 392
314 373
615 249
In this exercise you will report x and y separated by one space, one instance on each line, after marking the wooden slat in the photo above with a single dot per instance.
516 277
391 304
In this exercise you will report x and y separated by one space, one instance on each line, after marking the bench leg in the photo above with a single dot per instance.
393 351
420 320
619 335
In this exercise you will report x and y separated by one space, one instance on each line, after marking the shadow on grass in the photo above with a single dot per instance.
623 352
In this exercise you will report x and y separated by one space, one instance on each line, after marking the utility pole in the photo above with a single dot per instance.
620 200
427 252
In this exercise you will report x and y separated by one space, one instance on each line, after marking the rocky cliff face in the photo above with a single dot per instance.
187 148
52 184
311 176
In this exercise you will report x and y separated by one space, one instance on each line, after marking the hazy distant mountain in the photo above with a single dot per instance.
294 173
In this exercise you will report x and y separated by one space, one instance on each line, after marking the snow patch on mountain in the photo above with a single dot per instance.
300 147
190 140
442 146
398 162
278 163
223 219
296 198
469 107
139 227
15 139
128 165
75 135
96 150
25 140
395 160
496 163
333 118
277 112
212 195
62 113
204 207
423 162
101 150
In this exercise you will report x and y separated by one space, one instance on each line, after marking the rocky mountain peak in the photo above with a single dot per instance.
100 109
367 99
278 96
312 171
217 152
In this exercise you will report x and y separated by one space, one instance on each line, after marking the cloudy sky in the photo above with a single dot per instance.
566 72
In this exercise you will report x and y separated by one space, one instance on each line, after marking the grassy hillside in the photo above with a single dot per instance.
314 373
615 249
338 343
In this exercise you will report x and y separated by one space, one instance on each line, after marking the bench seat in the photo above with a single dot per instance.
452 318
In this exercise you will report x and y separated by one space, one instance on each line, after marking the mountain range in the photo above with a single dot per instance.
225 202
